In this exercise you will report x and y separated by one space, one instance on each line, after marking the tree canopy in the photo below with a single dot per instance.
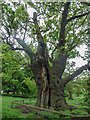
16 21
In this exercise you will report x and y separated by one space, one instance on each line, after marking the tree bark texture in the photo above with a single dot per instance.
40 71
50 89
50 84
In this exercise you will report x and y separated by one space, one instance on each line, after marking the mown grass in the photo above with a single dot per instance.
8 112
75 112
78 102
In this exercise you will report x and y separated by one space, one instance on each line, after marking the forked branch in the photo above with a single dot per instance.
76 73
78 16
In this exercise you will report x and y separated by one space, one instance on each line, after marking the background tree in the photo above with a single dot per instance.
15 78
12 74
64 27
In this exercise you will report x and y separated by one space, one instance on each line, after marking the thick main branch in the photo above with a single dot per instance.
76 73
62 27
25 47
42 47
63 24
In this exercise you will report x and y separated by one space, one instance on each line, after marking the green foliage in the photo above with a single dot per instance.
66 111
30 90
66 93
11 72
87 91
17 22
14 114
16 79
12 17
21 14
79 112
87 97
75 112
78 85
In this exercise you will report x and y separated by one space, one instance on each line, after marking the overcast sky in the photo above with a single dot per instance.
79 61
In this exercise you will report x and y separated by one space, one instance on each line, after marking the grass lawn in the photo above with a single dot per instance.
8 112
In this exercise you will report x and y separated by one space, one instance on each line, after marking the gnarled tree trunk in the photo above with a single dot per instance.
49 82
41 74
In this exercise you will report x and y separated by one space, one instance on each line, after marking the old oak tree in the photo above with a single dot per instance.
56 29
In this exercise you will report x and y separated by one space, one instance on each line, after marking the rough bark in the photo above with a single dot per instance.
40 68
40 71
50 89
60 64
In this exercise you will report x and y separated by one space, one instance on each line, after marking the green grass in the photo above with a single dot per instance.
30 101
8 112
38 114
78 102
75 112
49 115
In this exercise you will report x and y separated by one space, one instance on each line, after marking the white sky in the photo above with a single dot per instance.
79 61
